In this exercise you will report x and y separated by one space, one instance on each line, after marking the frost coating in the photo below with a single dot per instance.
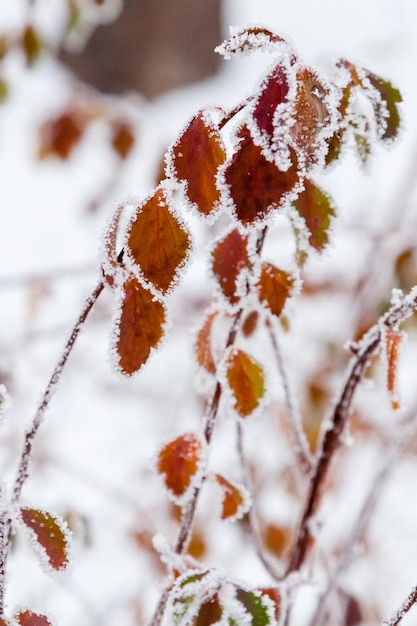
5 403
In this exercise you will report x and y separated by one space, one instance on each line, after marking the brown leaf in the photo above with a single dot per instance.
59 136
210 612
274 287
230 257
203 342
139 326
122 138
196 158
246 380
28 618
179 461
276 538
256 185
157 244
250 323
317 210
50 533
234 503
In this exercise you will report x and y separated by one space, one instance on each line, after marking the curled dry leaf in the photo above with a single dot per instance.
274 287
51 533
246 380
157 244
229 259
196 158
179 462
139 326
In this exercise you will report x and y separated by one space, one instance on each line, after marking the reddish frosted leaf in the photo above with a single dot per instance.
230 258
257 185
196 158
274 287
275 597
50 533
393 341
234 501
179 462
210 612
28 618
59 136
386 112
317 209
246 381
274 91
157 243
4 622
122 138
139 326
247 40
203 343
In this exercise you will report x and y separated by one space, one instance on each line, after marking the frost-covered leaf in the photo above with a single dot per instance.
122 138
179 462
235 501
203 344
51 534
229 259
188 593
273 91
5 622
29 618
275 597
157 244
256 605
246 381
248 40
274 287
392 343
317 210
139 326
386 110
256 185
59 136
31 44
210 612
196 158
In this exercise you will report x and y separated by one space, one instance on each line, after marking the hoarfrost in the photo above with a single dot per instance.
5 403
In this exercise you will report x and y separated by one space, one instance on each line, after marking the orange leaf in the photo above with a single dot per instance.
202 345
122 138
246 380
157 244
50 533
139 326
274 287
317 210
4 622
179 462
196 158
250 323
230 258
28 618
257 185
234 503
59 136
393 340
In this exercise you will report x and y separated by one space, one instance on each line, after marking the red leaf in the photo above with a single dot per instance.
179 462
257 185
196 158
202 345
157 244
274 287
234 503
139 326
122 138
230 258
274 91
246 380
210 612
28 618
317 210
50 533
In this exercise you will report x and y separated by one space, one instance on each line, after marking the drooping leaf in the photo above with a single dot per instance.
248 40
203 344
210 612
229 259
256 185
29 618
122 138
235 503
274 287
157 244
51 533
274 91
256 606
179 461
196 158
59 136
317 210
139 326
246 381
386 110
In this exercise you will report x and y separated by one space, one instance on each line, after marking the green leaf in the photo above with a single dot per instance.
386 111
256 606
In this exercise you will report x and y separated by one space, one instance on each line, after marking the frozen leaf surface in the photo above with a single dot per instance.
247 40
246 381
317 210
157 244
274 287
386 106
196 157
210 612
274 91
230 258
203 344
235 502
28 618
139 326
179 462
256 606
51 533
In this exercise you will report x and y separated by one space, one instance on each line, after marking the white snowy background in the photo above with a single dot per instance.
95 451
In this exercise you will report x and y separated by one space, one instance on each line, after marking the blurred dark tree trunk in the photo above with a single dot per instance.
154 46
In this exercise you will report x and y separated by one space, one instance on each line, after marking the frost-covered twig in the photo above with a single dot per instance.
363 351
301 447
410 601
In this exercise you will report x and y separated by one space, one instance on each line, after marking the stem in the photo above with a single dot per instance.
334 430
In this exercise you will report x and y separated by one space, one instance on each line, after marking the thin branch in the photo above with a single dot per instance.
410 601
301 447
363 351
